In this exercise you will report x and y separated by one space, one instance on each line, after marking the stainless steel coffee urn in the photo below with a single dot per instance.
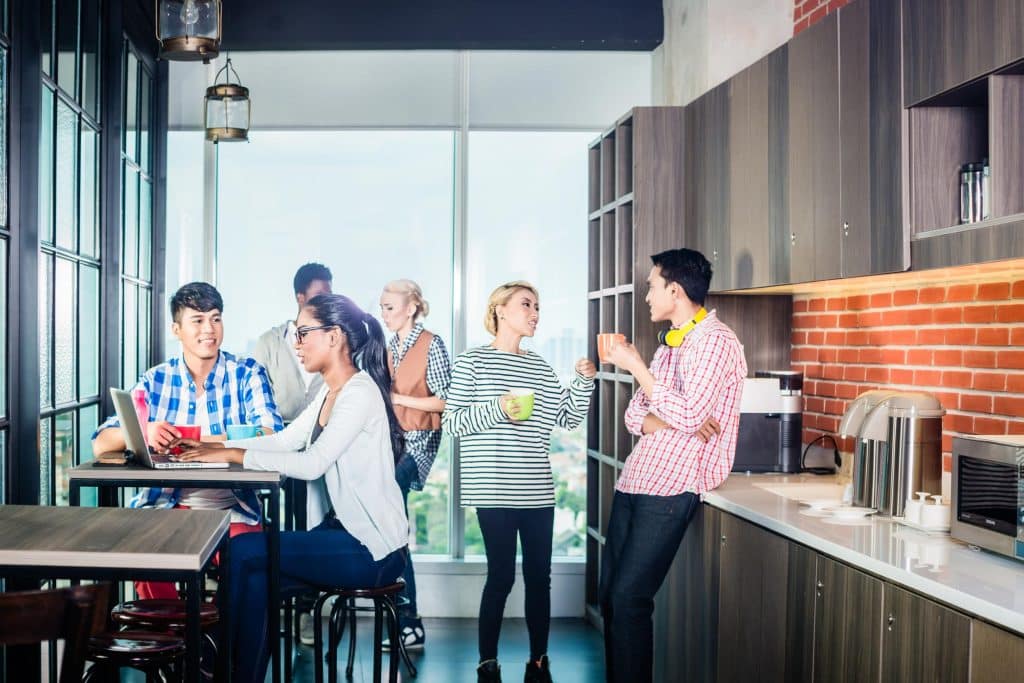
898 449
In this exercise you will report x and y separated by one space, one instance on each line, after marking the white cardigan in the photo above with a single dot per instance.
354 456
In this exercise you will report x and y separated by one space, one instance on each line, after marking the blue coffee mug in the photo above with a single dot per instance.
236 432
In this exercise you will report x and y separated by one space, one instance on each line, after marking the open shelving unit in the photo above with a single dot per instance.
979 120
635 209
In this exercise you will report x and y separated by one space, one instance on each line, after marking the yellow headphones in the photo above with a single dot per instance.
674 336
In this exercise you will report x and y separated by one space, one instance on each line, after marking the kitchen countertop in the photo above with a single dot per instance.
977 582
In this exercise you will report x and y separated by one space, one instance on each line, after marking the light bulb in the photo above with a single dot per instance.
189 13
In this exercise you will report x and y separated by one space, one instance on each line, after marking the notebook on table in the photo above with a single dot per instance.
135 439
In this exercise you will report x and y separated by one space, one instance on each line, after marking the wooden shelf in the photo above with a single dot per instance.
611 291
611 206
980 120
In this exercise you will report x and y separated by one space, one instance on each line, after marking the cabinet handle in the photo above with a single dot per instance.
723 539
792 238
846 228
714 254
821 585
890 621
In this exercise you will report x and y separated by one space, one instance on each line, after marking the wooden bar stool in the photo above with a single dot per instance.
385 600
159 655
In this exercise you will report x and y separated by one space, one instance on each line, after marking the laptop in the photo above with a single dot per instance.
135 439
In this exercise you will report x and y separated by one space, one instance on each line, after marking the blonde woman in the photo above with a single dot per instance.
505 470
420 372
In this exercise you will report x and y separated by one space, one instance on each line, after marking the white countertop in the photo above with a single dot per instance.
977 582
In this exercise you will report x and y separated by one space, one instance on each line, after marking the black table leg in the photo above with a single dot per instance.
274 569
193 631
226 644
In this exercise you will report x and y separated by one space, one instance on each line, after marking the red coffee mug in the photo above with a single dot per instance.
193 432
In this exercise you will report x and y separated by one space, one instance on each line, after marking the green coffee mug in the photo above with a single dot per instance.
236 432
522 400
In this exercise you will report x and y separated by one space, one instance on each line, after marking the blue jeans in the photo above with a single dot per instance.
406 472
325 556
644 533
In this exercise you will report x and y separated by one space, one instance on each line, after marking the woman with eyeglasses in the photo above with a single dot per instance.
503 404
344 444
420 374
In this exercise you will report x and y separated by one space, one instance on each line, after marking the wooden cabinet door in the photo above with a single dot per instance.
801 597
922 640
707 177
871 230
947 43
848 607
685 648
813 158
751 602
996 655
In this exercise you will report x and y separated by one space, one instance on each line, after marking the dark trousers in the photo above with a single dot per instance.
644 533
406 472
325 556
500 527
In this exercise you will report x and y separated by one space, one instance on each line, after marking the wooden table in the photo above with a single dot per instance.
117 544
233 477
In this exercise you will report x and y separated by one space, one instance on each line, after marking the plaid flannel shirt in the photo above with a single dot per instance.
700 379
237 391
422 445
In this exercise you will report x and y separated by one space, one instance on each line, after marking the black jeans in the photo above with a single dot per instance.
406 472
499 527
644 533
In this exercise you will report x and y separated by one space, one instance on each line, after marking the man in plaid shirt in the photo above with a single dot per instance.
204 386
687 415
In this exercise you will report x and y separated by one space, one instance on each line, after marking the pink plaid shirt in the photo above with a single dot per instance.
700 379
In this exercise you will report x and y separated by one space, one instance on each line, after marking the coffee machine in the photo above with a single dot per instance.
771 423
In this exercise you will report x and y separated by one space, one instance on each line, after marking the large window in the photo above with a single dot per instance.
372 206
378 205
527 203
69 260
136 218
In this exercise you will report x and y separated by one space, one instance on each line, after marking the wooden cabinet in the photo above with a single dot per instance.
758 220
847 620
707 173
996 655
743 603
686 607
922 640
947 43
870 139
813 153
751 602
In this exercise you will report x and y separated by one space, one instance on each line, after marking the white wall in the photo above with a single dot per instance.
708 41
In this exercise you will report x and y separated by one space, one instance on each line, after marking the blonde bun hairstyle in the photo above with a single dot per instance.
500 297
412 292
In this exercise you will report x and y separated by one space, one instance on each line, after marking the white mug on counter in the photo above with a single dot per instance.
912 510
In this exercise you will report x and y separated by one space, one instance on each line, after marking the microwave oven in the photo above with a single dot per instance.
988 493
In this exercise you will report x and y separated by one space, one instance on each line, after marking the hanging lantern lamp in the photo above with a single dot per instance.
188 30
227 109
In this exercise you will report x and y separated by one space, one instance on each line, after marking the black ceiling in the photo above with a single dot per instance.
442 24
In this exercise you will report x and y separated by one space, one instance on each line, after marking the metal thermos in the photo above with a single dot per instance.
975 193
898 449
967 193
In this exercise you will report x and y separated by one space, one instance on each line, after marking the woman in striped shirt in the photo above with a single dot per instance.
505 470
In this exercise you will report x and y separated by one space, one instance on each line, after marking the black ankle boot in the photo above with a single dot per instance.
488 672
537 672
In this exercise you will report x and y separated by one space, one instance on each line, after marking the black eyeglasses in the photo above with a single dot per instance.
301 332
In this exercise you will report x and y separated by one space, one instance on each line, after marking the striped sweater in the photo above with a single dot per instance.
505 463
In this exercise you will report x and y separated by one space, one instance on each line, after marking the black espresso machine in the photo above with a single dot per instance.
771 422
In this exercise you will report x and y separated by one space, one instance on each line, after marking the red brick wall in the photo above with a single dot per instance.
962 342
807 12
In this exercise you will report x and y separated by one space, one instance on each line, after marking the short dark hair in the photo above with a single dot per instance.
689 269
305 276
198 296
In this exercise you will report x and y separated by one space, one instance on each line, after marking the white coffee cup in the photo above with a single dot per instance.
912 511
